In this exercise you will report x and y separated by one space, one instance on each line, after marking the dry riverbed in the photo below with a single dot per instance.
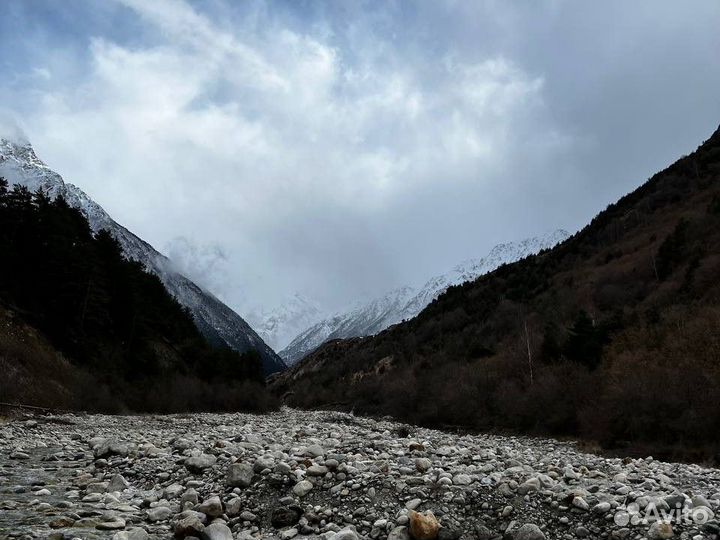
296 474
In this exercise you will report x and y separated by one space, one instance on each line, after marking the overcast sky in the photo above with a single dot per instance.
339 149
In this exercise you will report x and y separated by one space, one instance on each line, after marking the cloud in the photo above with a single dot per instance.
205 264
341 150
10 128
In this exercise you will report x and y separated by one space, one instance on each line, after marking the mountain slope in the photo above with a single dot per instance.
406 302
614 334
281 324
218 323
82 326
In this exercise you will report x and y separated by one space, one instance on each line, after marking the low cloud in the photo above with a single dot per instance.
343 150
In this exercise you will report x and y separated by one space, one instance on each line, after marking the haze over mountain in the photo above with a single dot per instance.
406 302
218 323
343 149
279 325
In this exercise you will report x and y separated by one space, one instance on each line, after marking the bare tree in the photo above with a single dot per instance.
529 351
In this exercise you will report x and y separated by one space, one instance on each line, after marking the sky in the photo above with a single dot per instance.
341 149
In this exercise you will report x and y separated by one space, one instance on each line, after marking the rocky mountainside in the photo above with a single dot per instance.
335 476
610 334
278 326
219 324
406 302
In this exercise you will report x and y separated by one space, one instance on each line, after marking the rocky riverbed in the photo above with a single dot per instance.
296 474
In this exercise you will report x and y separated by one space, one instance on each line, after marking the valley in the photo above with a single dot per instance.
328 475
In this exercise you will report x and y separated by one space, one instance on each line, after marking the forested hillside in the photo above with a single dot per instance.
86 328
613 335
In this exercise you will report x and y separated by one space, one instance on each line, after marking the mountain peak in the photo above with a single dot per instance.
220 325
403 303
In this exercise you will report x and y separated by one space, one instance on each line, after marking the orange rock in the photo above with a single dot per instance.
423 526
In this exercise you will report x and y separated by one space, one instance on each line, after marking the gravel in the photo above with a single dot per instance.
330 476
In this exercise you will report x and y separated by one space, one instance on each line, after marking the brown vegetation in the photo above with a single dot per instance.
614 335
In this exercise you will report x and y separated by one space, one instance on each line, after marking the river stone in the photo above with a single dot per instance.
302 488
217 531
118 483
345 534
399 533
189 526
136 533
211 507
240 475
529 531
197 464
285 516
111 447
111 524
660 530
423 526
159 513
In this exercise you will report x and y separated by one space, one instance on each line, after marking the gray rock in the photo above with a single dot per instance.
529 531
285 516
136 533
601 508
118 483
111 447
302 488
216 531
233 507
345 534
159 513
287 534
462 480
190 496
240 475
189 526
262 463
483 533
700 501
399 533
533 484
197 464
314 450
317 470
111 524
211 507
413 504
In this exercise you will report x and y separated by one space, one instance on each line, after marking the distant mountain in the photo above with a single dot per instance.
406 302
278 326
612 335
219 324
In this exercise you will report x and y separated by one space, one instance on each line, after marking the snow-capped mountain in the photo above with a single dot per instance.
406 302
218 323
281 324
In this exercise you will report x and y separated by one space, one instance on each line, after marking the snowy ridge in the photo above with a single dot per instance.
406 302
281 324
217 322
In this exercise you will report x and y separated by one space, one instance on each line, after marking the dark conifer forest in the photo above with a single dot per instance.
111 336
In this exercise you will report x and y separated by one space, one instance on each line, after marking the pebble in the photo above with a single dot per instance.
327 476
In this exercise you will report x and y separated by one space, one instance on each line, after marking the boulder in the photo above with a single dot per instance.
211 507
240 475
216 531
423 526
302 488
197 464
529 531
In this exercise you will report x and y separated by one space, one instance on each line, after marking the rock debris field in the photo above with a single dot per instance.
329 476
